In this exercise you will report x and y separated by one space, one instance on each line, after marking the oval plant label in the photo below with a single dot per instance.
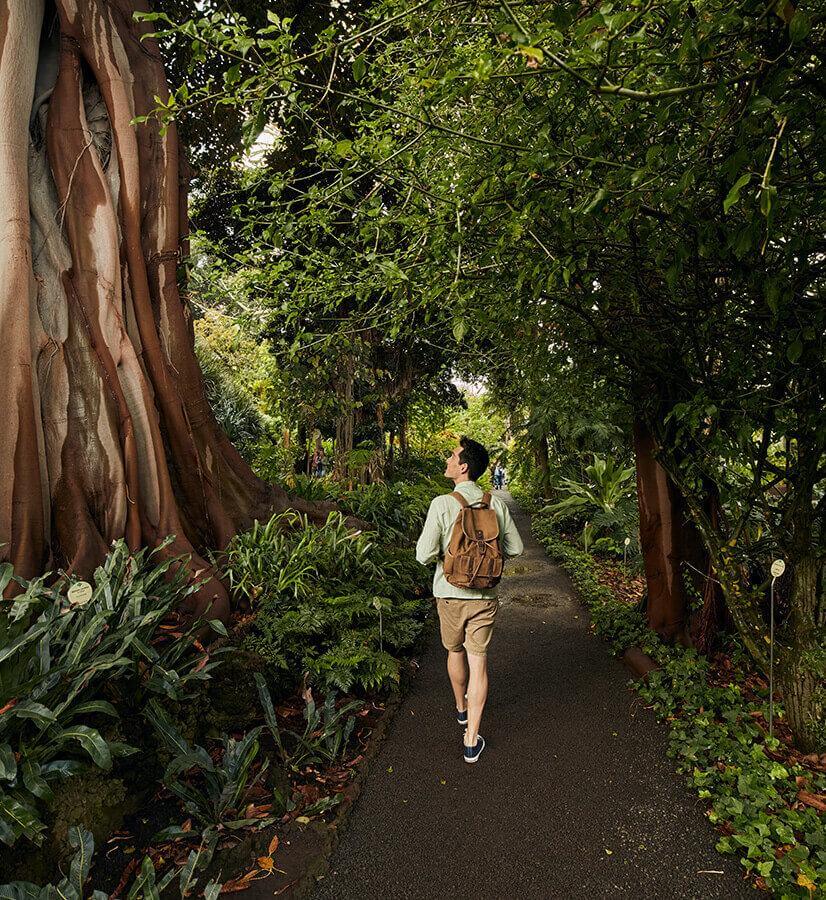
778 568
79 593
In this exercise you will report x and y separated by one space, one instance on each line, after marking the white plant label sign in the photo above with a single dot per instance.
79 593
778 568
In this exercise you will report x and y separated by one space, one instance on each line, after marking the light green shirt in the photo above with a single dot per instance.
435 537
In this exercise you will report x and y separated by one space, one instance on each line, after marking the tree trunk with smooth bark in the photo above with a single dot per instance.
662 539
107 431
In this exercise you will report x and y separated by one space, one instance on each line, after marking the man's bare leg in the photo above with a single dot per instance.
477 694
457 670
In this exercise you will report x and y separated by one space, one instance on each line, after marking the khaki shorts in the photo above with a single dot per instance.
467 624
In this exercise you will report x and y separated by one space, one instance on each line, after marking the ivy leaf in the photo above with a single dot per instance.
799 27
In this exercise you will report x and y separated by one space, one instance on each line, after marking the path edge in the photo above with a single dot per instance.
330 833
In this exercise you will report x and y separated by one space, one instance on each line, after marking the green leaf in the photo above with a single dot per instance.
533 53
8 764
344 148
94 706
218 626
459 330
21 819
164 726
734 194
794 350
92 743
6 572
144 887
28 709
21 890
799 27
359 68
33 780
82 842
597 201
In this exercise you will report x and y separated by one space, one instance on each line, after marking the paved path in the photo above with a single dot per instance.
573 797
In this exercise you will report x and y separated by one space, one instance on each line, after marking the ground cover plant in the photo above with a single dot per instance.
767 799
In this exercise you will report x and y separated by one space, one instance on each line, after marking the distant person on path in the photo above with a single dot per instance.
498 476
466 614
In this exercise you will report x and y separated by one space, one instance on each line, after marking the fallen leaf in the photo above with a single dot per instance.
266 863
239 884
818 801
273 845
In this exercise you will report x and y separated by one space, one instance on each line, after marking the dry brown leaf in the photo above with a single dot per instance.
239 884
273 845
266 863
818 801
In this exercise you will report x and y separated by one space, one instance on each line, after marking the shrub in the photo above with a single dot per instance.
603 507
323 600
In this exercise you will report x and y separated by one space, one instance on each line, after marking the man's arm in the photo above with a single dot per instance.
429 545
511 541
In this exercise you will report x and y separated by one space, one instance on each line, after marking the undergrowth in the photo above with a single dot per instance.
328 602
751 789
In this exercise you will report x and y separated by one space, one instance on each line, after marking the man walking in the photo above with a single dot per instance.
466 614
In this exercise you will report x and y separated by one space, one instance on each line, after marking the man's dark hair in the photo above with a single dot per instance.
474 456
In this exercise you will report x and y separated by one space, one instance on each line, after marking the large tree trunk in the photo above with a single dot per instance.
107 433
662 527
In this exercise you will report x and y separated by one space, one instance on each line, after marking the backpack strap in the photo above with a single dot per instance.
462 502
486 499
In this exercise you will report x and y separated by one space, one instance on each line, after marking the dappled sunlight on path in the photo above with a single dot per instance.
573 797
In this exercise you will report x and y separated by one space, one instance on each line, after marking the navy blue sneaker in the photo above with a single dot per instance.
461 716
473 753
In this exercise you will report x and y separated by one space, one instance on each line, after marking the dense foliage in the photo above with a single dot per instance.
68 669
572 199
337 606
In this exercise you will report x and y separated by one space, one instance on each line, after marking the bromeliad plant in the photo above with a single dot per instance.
605 500
66 667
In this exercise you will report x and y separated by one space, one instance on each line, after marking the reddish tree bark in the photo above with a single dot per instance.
664 539
108 433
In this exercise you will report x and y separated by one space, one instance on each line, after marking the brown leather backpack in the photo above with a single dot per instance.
474 558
